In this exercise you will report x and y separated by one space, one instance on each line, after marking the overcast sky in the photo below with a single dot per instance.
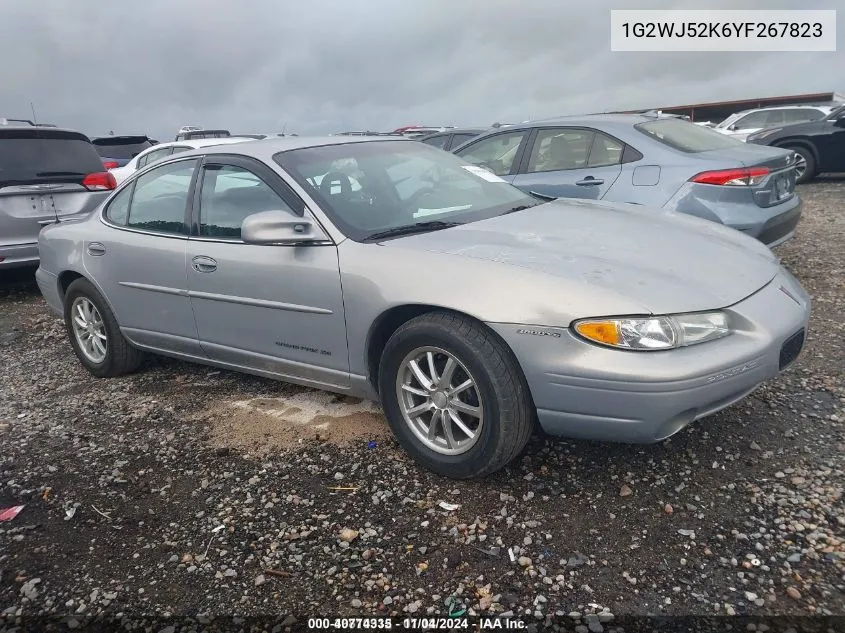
323 66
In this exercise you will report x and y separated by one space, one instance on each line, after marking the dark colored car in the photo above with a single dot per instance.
450 139
47 175
116 151
820 145
194 134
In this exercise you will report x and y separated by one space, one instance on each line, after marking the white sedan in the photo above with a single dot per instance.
163 150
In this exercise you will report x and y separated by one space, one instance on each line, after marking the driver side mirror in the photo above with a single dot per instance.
280 227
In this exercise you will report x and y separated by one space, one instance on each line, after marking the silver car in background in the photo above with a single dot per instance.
46 174
163 150
661 162
394 271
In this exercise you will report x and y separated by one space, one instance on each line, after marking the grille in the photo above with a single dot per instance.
791 348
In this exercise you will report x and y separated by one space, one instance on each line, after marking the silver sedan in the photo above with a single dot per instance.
390 270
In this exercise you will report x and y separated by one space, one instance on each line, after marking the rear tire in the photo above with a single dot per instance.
497 409
95 335
806 158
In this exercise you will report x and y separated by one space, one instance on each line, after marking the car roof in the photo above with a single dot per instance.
798 106
606 121
49 129
458 130
266 148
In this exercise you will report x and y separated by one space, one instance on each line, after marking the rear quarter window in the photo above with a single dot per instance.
35 155
684 136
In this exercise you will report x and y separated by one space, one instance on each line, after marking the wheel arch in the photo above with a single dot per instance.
66 278
386 323
800 142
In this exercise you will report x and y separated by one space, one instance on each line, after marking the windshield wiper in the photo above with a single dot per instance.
60 173
408 229
542 196
523 207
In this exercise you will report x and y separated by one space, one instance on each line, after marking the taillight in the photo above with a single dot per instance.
100 181
110 164
742 177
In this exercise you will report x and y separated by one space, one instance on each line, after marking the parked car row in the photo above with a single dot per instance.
472 309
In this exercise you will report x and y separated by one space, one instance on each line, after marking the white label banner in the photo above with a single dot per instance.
723 30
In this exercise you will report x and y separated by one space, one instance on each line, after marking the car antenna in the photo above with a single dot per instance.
35 121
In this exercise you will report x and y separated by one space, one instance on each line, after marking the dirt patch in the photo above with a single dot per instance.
262 426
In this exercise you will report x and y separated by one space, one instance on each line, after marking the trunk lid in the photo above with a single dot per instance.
775 189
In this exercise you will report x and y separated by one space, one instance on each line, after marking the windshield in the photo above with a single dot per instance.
836 113
685 136
370 187
730 120
35 155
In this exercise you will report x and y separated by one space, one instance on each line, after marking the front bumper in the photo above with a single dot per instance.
593 392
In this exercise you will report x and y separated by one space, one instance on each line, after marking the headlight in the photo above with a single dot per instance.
655 333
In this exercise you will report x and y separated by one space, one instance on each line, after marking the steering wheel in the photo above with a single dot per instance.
413 202
335 177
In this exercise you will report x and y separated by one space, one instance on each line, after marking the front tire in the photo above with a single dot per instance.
805 167
95 335
455 396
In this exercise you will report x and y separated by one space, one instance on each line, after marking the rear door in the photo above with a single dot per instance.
41 175
140 262
570 162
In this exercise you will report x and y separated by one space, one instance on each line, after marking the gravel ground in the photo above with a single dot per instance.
142 496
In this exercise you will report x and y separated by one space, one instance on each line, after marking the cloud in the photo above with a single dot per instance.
329 65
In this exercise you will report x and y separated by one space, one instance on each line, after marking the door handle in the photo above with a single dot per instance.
96 249
589 181
203 264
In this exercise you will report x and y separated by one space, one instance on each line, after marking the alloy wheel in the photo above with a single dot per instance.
89 329
440 400
800 166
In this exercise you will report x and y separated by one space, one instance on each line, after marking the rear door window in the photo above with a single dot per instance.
160 198
802 115
36 155
558 149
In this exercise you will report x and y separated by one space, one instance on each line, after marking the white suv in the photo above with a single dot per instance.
741 124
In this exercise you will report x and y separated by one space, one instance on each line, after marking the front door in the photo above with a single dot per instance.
140 262
272 308
831 146
571 163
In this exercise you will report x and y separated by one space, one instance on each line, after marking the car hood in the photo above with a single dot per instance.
663 261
